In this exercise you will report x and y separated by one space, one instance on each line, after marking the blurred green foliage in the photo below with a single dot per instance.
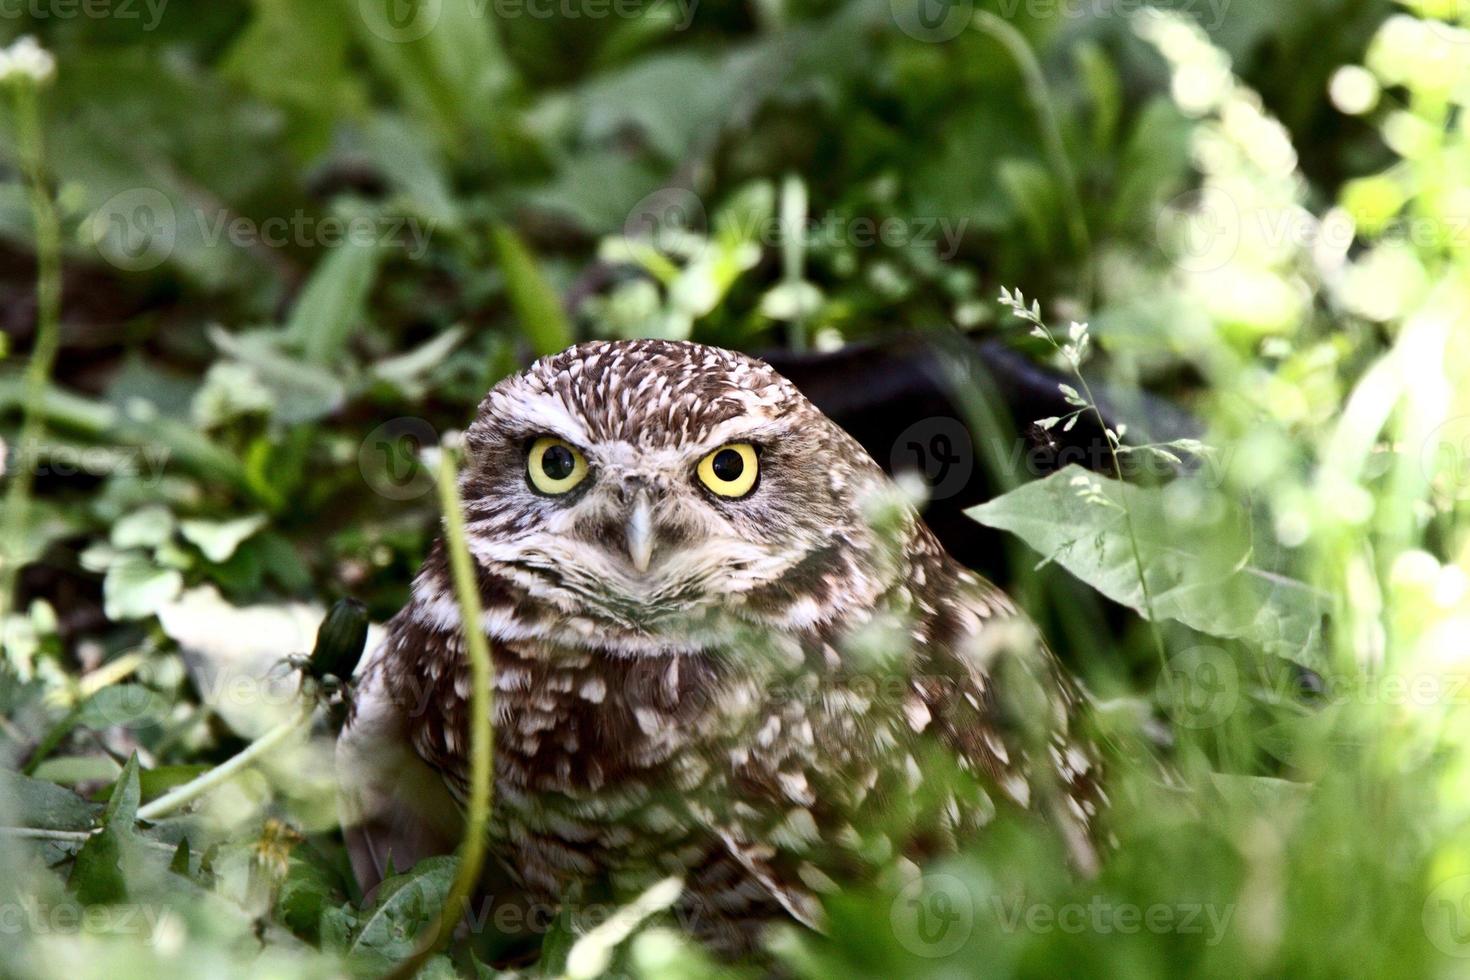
300 240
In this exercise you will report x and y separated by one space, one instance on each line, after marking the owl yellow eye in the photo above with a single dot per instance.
554 467
731 470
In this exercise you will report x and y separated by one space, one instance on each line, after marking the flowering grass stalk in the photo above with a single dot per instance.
24 68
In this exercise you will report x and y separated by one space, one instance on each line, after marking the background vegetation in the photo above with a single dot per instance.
258 258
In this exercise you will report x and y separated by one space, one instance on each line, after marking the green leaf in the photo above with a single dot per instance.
145 528
407 156
231 390
129 705
405 904
1199 576
298 58
310 890
160 440
334 301
406 371
122 808
1105 88
179 864
303 391
43 805
559 939
135 588
1033 194
791 301
536 304
97 875
219 539
442 61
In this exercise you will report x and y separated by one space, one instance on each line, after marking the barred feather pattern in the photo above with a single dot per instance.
758 715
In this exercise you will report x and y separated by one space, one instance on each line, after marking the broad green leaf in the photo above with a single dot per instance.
310 889
130 705
135 588
334 301
671 98
219 539
303 391
230 390
536 304
409 161
598 189
1199 576
406 903
43 805
145 528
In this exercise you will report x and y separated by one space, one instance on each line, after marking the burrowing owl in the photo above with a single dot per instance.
725 647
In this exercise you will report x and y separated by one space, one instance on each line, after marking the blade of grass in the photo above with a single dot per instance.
1037 93
48 329
477 645
535 303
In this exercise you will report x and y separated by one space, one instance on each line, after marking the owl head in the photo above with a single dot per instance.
638 487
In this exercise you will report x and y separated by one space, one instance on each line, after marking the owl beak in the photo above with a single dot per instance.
640 531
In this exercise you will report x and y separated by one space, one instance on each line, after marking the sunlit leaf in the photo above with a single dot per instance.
1199 576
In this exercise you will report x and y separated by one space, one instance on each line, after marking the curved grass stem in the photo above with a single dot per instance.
477 646
182 796
1037 93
